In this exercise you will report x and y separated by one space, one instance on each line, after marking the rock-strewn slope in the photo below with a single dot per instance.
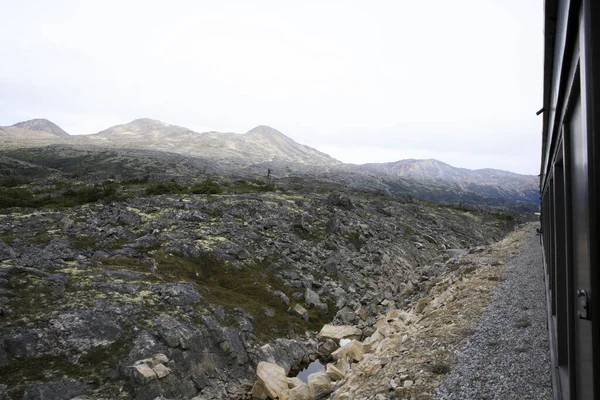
183 295
412 347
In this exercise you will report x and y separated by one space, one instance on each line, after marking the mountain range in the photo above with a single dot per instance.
264 148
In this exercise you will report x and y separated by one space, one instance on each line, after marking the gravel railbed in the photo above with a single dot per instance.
507 356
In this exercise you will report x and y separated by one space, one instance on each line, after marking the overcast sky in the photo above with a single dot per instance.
364 81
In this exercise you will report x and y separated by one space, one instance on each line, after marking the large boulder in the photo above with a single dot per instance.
355 350
177 294
340 200
301 312
6 251
319 384
338 332
298 389
273 379
311 298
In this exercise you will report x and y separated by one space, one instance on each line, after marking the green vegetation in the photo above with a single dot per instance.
252 186
250 287
100 360
503 217
8 237
207 187
170 187
63 195
356 240
83 242
107 192
13 181
135 180
16 198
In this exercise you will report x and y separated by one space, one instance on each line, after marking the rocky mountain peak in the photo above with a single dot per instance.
41 125
142 127
266 132
147 122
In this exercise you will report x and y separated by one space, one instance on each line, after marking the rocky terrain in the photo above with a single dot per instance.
136 295
130 272
266 149
412 348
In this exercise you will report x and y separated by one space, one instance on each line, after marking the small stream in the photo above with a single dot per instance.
313 367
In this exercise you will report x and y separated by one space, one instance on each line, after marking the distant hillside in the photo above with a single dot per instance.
143 128
261 144
490 183
33 129
254 153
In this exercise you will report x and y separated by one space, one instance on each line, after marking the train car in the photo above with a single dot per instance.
570 189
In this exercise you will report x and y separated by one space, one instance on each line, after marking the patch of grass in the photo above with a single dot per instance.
117 244
107 192
10 197
33 298
207 187
254 186
8 237
170 187
136 180
126 263
355 239
41 238
13 181
503 217
83 242
408 230
249 287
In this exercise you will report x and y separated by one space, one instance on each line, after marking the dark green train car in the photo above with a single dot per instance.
570 190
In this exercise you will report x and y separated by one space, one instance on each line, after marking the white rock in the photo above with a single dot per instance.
319 384
386 330
259 392
294 382
159 359
301 312
338 332
161 371
344 342
273 378
299 392
311 297
143 373
334 372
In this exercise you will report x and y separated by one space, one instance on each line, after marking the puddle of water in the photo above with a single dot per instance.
313 367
